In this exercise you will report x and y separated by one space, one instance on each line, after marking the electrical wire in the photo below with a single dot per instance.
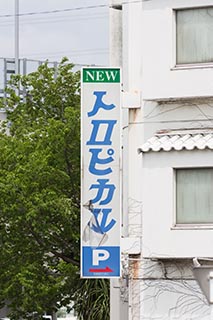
52 62
54 11
75 51
70 53
66 10
41 20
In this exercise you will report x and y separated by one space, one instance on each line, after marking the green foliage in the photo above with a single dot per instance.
92 299
40 199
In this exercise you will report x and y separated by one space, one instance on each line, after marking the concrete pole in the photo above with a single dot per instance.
118 308
115 312
211 293
115 20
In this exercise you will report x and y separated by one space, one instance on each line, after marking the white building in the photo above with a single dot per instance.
165 48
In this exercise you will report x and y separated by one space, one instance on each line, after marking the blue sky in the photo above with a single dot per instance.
81 33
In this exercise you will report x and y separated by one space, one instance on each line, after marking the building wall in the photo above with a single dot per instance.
168 291
149 52
171 98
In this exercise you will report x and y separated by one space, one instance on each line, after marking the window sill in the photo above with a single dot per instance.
192 66
192 227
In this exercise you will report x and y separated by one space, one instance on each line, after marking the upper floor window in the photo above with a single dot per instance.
194 200
194 36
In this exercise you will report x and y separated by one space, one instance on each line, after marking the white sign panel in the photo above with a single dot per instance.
100 195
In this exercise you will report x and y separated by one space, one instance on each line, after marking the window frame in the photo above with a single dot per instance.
185 226
182 66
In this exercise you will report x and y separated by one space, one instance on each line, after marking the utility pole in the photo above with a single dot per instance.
118 307
16 36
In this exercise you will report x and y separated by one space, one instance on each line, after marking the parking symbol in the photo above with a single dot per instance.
99 255
101 261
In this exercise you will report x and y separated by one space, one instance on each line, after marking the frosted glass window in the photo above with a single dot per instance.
194 28
194 196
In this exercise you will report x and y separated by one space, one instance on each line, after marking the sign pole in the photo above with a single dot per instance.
211 293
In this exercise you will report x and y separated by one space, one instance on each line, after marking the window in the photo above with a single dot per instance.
194 40
194 196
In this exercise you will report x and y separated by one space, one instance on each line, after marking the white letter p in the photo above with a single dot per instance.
99 255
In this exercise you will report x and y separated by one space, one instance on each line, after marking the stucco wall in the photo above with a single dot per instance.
162 289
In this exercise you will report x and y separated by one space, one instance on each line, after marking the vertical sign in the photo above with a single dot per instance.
100 185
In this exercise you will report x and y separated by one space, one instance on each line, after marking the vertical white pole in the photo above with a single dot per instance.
16 36
119 308
211 294
115 312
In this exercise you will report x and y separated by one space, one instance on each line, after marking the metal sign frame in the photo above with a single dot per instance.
100 172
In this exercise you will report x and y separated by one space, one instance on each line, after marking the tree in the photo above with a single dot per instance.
40 196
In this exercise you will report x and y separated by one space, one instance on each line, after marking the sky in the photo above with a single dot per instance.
79 30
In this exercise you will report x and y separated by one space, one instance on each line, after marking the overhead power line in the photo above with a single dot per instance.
65 10
54 11
49 20
71 53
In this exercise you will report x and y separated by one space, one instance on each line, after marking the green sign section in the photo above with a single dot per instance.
101 75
